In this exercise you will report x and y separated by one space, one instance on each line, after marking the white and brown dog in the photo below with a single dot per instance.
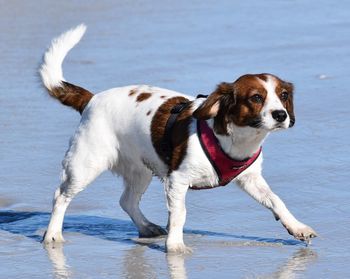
135 132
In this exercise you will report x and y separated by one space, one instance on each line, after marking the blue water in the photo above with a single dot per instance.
189 46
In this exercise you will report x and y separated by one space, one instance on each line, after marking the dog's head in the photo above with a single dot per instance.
261 101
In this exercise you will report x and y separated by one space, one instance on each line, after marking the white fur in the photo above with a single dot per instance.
51 70
114 134
272 103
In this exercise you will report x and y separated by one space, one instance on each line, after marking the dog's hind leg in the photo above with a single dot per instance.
136 183
64 194
82 164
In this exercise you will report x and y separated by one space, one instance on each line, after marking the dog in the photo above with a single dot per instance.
141 131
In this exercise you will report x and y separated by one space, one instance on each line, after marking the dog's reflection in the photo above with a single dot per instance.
299 262
56 255
136 263
176 266
175 262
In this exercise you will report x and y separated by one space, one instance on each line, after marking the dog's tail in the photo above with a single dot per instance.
51 71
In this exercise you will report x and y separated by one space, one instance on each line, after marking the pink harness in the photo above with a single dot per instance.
226 168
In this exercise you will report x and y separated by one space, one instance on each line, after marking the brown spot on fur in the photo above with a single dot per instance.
149 112
180 132
143 97
163 97
72 95
132 92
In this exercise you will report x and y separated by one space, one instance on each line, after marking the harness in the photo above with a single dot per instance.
225 167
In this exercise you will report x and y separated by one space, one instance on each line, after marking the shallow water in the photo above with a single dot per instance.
189 47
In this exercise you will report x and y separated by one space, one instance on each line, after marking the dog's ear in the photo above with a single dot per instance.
211 106
289 104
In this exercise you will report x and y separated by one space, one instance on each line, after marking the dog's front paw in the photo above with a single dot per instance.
178 248
52 238
301 232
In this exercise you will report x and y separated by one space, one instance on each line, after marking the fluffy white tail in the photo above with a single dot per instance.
51 71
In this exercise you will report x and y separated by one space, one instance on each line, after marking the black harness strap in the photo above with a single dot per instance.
167 145
202 96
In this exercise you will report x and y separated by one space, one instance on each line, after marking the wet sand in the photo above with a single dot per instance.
189 47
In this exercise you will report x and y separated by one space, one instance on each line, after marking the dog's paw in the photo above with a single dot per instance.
301 232
52 238
178 248
152 230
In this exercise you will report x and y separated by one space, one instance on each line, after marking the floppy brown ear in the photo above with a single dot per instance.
289 105
210 107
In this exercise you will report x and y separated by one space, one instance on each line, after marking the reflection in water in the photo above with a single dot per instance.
176 266
58 260
299 262
136 263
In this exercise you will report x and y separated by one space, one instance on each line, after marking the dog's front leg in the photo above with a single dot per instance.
256 186
176 194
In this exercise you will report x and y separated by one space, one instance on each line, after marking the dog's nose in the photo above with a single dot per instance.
279 115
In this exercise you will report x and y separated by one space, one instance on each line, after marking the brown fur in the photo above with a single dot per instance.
245 111
234 103
262 76
132 92
72 95
289 88
143 97
180 132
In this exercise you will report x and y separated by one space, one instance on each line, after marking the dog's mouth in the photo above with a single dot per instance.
255 123
279 126
259 124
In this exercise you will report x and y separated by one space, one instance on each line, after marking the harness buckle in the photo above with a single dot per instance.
238 168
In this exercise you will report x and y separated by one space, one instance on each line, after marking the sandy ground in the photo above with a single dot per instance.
189 46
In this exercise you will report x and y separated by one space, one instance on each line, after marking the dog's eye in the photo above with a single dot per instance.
284 96
257 98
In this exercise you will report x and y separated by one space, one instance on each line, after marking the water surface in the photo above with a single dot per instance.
189 46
